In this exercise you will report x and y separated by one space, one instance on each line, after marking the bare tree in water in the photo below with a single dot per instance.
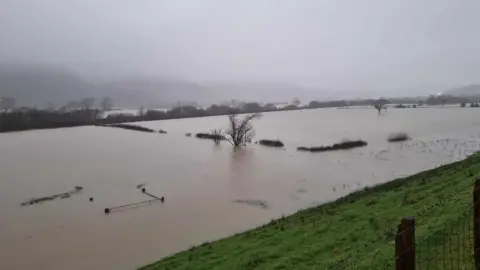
240 132
379 107
380 104
217 135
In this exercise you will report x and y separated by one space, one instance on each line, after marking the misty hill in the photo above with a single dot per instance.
469 90
34 85
153 92
39 85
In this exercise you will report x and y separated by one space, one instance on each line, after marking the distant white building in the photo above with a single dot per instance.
281 105
118 113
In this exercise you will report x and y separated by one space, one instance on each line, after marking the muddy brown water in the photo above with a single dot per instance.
211 191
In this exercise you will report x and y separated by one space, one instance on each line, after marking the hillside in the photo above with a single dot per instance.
154 92
38 85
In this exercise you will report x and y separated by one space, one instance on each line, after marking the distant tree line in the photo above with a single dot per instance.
42 119
85 111
74 113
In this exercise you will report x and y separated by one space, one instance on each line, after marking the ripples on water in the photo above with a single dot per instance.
211 190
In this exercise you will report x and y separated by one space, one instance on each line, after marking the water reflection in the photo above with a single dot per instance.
241 159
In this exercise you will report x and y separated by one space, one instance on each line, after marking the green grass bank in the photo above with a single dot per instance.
358 228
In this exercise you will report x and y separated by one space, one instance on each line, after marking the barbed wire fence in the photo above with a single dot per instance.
451 244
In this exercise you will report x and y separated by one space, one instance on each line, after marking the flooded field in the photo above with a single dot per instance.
210 190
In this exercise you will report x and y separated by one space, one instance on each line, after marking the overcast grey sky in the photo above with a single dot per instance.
338 44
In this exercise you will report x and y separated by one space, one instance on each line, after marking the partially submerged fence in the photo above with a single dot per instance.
136 204
454 244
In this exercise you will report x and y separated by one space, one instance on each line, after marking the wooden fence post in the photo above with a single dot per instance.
476 222
405 245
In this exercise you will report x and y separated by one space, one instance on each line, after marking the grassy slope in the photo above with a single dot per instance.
360 225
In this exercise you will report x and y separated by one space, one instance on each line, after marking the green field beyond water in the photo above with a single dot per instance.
358 228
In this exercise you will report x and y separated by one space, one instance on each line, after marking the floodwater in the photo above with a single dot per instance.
211 191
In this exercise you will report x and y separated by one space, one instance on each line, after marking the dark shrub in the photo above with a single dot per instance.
338 146
272 143
398 137
210 136
130 127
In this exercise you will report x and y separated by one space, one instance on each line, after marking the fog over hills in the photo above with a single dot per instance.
154 52
39 85
469 90
153 92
